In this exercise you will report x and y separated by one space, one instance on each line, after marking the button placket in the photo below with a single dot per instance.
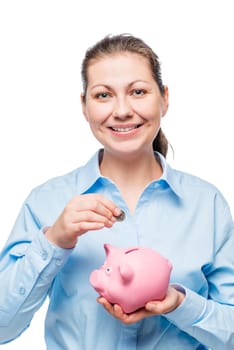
44 255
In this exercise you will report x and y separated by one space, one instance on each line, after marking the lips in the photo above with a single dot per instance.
125 128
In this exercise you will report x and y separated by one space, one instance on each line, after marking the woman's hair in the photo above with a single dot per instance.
127 43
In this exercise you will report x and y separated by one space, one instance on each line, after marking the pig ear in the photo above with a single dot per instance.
108 248
126 272
169 265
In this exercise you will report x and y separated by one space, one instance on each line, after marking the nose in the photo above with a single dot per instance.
96 281
122 108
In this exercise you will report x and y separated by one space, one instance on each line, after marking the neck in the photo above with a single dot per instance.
131 173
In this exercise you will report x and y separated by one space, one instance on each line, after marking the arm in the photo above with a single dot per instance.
28 265
211 319
31 258
210 322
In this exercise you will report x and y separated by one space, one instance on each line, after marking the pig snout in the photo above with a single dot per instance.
96 281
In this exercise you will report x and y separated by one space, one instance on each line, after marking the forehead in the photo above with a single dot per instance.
122 64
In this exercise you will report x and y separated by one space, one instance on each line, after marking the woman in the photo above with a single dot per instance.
58 238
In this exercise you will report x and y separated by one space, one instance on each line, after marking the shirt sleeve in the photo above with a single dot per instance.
28 266
210 319
209 322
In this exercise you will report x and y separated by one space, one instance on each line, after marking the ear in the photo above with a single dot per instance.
126 272
108 248
83 104
165 102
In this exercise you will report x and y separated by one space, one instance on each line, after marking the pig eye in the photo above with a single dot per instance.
108 270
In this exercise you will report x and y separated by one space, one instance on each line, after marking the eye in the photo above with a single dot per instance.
108 270
102 95
138 92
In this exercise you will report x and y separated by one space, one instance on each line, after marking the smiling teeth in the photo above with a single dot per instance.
124 129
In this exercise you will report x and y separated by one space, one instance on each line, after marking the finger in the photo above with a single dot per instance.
168 304
155 307
136 316
116 311
109 204
89 216
108 306
83 227
96 203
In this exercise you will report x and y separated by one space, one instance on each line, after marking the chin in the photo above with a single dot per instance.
127 152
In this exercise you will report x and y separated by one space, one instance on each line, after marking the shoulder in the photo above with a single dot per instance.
65 180
65 186
188 179
76 179
56 191
194 186
186 184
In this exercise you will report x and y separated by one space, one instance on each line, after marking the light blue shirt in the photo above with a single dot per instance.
181 216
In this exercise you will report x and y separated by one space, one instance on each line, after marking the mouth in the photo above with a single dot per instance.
124 129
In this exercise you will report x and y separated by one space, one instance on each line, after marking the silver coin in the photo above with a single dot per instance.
121 216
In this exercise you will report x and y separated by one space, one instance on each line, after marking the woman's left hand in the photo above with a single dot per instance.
172 300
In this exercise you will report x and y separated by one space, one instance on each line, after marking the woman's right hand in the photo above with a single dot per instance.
83 213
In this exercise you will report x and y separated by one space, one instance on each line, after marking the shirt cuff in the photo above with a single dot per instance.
48 257
190 310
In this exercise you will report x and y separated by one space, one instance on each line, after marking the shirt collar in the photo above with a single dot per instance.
90 173
170 176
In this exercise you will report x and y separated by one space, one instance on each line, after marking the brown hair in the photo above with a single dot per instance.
120 43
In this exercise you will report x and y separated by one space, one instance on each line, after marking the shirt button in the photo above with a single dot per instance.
44 255
58 262
22 290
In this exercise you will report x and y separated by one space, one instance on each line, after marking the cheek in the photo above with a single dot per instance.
149 110
151 115
97 113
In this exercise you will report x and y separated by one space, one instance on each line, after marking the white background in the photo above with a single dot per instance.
42 130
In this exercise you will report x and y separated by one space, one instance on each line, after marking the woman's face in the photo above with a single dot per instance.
123 103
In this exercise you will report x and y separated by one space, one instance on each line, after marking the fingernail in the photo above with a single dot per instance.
150 307
110 222
117 211
120 216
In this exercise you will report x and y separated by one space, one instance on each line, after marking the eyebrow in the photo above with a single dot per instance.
108 87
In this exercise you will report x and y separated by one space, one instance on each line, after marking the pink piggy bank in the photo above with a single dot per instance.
131 277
